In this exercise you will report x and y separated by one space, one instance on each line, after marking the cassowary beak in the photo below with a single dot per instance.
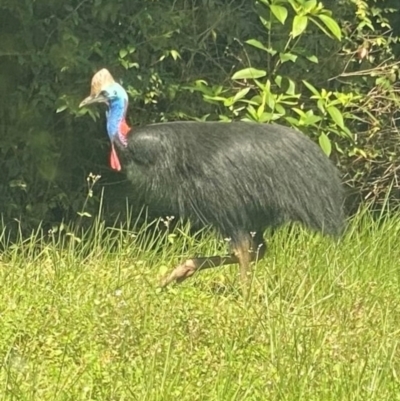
93 99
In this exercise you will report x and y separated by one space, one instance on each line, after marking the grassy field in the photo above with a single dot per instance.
86 321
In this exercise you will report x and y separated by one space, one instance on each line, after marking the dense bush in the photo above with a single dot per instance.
185 60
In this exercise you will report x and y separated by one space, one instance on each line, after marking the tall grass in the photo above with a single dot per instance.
81 318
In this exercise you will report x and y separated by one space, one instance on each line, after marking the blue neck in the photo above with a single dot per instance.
115 115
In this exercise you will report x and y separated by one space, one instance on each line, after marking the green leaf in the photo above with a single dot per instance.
300 112
249 73
61 108
260 110
299 25
311 119
252 112
242 93
225 119
336 115
268 97
292 88
215 98
267 24
309 5
313 59
348 133
311 88
280 109
332 25
292 121
123 53
325 144
175 55
287 57
280 13
256 43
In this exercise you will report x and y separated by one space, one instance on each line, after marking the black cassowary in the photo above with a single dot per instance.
238 177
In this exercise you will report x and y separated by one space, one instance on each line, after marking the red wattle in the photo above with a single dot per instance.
124 128
114 160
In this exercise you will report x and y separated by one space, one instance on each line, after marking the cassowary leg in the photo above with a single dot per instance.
191 266
248 250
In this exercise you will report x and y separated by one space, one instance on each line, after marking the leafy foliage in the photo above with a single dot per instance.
328 69
353 119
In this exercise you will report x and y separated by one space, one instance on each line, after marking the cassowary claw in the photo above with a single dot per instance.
180 273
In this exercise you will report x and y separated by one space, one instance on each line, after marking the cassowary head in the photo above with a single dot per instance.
105 90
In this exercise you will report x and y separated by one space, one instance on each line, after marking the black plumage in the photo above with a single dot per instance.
238 177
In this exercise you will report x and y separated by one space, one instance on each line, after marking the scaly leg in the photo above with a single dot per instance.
250 249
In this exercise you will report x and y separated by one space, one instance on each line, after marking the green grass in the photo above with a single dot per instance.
85 320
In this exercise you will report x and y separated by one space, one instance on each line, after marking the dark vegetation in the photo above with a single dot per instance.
330 70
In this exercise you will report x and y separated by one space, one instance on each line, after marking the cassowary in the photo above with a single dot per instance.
238 177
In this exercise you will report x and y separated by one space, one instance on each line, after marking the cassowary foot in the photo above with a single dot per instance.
241 255
180 273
